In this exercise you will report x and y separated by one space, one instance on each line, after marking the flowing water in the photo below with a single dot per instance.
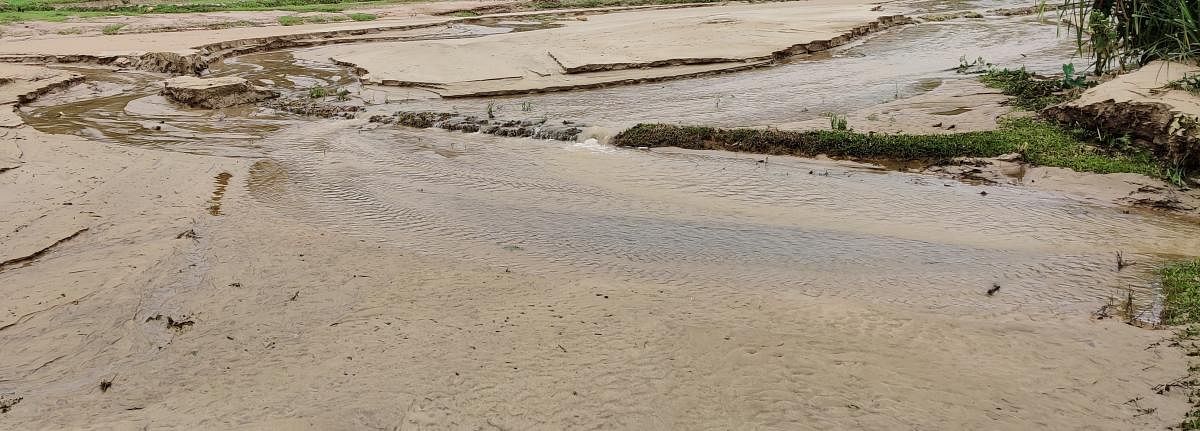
670 217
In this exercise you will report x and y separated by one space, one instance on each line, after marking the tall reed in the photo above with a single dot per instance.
1130 33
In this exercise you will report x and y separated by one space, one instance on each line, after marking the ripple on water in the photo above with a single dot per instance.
713 219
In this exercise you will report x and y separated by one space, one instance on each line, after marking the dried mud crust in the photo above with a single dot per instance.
214 93
570 66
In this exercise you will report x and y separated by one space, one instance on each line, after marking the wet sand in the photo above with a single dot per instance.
616 47
241 269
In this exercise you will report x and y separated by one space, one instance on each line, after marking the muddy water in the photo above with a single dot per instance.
671 218
712 218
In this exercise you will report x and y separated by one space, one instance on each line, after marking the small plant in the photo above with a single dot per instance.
343 95
1070 79
317 92
465 14
359 16
1177 176
290 20
526 106
72 30
112 29
979 65
491 110
838 122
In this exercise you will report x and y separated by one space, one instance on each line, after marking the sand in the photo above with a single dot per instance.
157 289
613 48
955 106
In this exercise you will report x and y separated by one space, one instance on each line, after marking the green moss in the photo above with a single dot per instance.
1039 142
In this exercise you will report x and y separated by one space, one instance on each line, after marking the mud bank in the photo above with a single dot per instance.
214 93
616 48
1140 106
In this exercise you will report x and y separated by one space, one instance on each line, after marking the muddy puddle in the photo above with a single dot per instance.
669 217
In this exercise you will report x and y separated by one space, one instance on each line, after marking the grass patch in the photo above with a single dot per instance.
1181 306
7 17
359 16
112 29
1040 143
465 14
313 19
1181 290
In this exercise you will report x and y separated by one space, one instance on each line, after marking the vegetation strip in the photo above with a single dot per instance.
1038 142
1181 306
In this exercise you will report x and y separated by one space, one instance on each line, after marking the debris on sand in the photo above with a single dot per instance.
7 401
214 93
539 128
305 106
177 325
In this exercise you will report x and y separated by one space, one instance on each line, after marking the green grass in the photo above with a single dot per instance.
359 16
316 19
1181 306
112 29
1181 290
1040 143
50 16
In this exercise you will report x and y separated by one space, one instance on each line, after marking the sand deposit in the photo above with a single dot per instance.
241 268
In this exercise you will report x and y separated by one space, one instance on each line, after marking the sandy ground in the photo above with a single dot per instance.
960 105
203 310
610 48
152 289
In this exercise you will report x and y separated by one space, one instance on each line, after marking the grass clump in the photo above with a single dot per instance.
112 29
1028 91
838 122
359 16
1039 143
290 20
